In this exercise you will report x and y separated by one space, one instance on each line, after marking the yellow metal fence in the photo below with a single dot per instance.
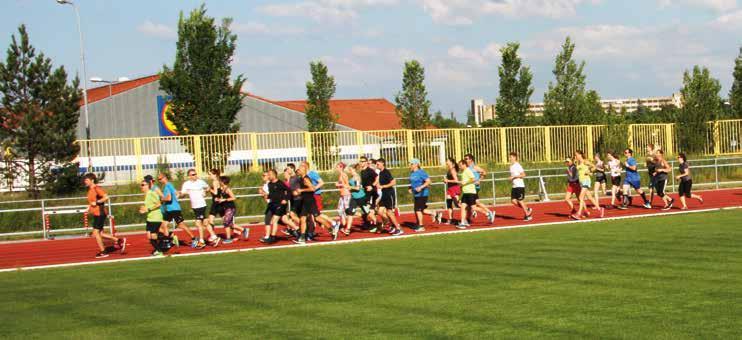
130 158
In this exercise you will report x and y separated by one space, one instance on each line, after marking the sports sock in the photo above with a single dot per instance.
644 197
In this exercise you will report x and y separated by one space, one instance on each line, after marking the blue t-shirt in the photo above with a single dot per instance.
477 175
417 178
173 205
356 194
631 175
314 178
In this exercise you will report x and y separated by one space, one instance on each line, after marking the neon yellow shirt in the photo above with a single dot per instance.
583 170
467 182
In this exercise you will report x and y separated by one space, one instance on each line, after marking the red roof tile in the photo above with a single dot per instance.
358 114
101 92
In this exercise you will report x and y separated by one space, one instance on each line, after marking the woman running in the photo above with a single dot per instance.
600 178
357 198
216 208
309 207
343 185
225 197
614 164
453 191
584 171
151 209
686 182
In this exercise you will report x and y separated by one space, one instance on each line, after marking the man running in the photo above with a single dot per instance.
317 183
368 183
518 192
573 185
151 209
309 207
278 199
97 199
387 204
661 170
469 196
172 208
420 190
632 180
195 188
478 174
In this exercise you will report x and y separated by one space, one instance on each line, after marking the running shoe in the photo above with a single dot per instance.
398 232
101 255
491 217
373 230
246 233
194 243
286 232
228 241
622 207
463 225
265 240
157 254
122 244
200 245
300 240
575 217
176 242
215 242
346 232
438 217
528 217
647 206
419 229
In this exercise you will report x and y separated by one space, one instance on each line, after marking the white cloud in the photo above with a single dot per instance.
731 21
716 5
335 11
157 30
487 56
464 12
363 51
257 28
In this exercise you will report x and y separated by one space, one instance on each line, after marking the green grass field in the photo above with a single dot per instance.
662 277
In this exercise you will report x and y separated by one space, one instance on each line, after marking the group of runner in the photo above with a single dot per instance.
367 191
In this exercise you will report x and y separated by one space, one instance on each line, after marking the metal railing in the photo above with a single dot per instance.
541 184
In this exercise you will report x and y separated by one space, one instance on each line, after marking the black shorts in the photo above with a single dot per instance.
469 199
652 181
518 194
216 210
600 177
99 221
372 197
274 209
153 227
421 203
387 200
452 203
362 203
308 207
684 189
659 186
200 213
296 207
174 215
616 180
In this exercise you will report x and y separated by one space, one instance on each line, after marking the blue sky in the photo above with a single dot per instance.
632 48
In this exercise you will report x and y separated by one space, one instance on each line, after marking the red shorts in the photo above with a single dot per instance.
574 188
453 191
318 201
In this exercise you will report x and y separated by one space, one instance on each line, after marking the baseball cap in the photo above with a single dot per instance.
415 161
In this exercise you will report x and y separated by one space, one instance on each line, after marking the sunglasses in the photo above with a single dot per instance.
191 174
143 185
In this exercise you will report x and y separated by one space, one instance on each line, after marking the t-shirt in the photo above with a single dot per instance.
467 182
385 177
583 171
356 194
173 205
277 192
368 176
95 193
295 184
515 170
417 178
151 201
684 166
615 166
315 178
477 175
631 175
572 175
195 190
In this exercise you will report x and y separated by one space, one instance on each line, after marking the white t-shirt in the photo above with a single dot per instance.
195 190
516 170
615 166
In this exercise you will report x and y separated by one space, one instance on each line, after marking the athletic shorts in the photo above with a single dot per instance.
274 209
99 221
600 177
153 227
200 213
652 181
684 189
361 203
659 187
228 218
616 180
372 196
518 193
318 202
216 209
174 215
636 184
586 184
452 203
469 199
296 207
308 208
453 191
421 203
574 188
387 201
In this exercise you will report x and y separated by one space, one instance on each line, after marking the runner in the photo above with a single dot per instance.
600 178
518 192
317 182
584 170
151 209
420 190
651 165
478 174
632 180
309 206
171 209
469 196
278 199
369 179
615 165
573 185
216 209
358 198
387 203
686 182
195 188
453 190
345 212
662 168
97 199
293 182
225 197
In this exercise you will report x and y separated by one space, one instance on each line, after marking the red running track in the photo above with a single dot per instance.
27 254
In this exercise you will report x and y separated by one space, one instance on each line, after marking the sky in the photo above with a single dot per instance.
632 48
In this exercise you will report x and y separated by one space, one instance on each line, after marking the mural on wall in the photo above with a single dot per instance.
167 127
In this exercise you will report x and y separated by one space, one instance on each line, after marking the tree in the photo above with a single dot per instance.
39 114
470 119
701 104
515 88
735 94
319 92
203 100
566 101
444 123
413 107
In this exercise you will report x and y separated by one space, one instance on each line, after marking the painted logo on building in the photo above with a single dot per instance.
167 127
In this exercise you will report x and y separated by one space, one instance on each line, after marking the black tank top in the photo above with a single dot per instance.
306 195
449 177
223 195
